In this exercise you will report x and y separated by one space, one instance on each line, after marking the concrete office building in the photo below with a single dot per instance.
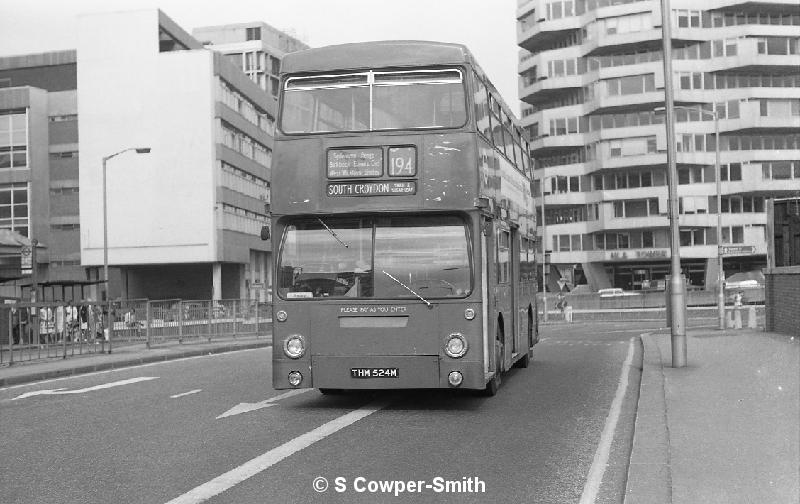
257 48
592 81
184 221
39 174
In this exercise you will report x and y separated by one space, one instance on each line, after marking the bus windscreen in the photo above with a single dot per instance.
398 100
376 257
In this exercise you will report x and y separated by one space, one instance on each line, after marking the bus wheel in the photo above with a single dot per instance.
492 386
331 391
497 379
525 361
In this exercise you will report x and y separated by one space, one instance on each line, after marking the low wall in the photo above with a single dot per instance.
782 300
649 299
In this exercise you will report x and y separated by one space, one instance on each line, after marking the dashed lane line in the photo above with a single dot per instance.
266 460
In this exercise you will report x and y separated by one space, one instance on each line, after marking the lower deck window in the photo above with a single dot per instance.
375 257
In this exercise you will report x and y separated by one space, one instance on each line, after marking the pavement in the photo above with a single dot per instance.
121 356
723 429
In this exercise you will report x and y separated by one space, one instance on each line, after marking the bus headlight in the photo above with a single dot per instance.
295 378
455 378
455 346
294 347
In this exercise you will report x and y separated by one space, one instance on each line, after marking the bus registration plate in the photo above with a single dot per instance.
374 373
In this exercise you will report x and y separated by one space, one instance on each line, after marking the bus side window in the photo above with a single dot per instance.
503 257
482 108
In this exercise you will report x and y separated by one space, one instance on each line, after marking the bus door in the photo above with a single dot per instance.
505 296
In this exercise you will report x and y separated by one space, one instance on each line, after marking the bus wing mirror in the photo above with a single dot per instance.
265 234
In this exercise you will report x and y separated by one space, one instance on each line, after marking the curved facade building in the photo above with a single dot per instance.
592 86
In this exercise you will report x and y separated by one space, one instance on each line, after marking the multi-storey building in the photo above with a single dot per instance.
257 48
185 219
592 82
39 173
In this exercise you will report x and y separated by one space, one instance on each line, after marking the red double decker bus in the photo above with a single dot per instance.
403 222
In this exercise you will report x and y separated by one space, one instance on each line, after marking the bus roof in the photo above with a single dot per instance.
383 54
380 54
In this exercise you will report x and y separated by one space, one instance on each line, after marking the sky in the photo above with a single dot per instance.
487 27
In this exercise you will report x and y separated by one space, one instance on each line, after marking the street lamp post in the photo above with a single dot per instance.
544 255
138 150
720 270
677 298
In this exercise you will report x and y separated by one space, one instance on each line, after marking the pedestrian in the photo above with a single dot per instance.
83 315
131 322
71 323
98 323
737 309
24 326
47 326
59 322
15 325
561 304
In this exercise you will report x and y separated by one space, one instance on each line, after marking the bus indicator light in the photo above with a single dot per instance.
281 316
455 378
295 378
402 161
469 314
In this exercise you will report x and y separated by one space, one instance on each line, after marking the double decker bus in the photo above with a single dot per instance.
403 223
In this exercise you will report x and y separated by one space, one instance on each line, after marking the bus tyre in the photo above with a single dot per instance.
525 361
492 386
494 383
331 391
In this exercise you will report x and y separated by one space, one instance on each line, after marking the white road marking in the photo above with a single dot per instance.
61 391
186 393
266 460
603 452
246 407
130 368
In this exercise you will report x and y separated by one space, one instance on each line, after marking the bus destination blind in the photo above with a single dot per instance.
351 163
388 188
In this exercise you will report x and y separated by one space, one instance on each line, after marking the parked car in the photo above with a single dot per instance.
615 292
746 280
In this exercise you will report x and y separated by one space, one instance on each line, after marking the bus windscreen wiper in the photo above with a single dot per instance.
333 233
406 287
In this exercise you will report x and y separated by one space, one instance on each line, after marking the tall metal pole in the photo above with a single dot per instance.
109 321
720 270
544 255
677 298
105 230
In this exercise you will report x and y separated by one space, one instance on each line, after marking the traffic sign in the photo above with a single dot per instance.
26 260
736 250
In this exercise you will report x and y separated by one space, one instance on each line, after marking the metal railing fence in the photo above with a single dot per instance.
33 331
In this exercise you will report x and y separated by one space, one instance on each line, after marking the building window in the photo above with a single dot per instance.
13 140
14 208
253 33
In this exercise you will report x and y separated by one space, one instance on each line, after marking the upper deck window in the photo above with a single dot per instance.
369 101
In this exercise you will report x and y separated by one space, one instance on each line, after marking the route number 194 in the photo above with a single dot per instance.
402 161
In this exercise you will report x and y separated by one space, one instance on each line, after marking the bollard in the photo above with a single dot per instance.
729 318
737 318
751 317
568 314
